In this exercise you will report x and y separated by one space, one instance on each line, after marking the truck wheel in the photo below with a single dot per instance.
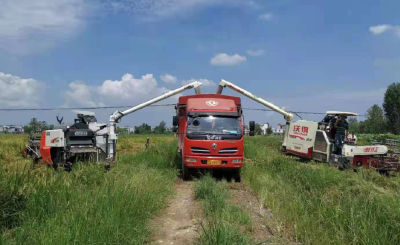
185 172
68 166
237 175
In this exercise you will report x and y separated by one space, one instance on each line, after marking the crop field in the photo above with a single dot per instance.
305 203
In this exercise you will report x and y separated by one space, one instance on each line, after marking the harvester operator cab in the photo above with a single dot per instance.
328 125
86 119
82 122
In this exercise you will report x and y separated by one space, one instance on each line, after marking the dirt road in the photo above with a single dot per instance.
178 223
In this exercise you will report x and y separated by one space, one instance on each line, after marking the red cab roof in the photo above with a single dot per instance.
210 102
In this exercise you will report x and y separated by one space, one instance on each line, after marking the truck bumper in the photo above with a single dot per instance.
204 162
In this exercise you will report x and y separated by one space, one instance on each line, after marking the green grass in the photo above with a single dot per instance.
225 224
320 204
313 203
87 206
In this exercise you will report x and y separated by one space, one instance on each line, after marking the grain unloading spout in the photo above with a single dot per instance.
288 116
116 116
197 90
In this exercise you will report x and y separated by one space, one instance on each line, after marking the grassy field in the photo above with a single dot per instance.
311 203
226 224
39 205
318 203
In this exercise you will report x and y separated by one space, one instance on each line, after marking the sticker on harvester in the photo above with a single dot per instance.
81 133
371 149
211 103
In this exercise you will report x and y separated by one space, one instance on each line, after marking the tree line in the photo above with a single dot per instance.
381 120
146 129
35 126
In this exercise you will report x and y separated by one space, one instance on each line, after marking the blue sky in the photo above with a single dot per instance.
304 55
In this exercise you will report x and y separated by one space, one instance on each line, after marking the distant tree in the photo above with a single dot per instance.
362 127
354 126
375 122
35 126
269 131
258 129
160 129
143 129
391 105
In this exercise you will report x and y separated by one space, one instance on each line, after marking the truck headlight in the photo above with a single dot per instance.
236 160
191 160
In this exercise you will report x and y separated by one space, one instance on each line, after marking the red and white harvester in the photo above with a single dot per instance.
314 140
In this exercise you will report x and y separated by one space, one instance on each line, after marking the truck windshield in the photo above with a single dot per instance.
213 125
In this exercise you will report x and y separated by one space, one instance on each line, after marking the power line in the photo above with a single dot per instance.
295 112
75 108
129 106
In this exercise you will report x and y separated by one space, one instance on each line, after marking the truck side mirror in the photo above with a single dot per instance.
175 121
252 126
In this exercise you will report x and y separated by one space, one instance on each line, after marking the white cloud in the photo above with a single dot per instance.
167 78
30 25
380 29
129 87
127 90
79 95
258 52
19 92
266 16
156 9
205 82
224 59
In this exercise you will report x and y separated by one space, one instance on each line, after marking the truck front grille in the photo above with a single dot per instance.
200 150
228 150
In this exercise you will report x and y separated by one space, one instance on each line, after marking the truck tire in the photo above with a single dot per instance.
237 175
185 174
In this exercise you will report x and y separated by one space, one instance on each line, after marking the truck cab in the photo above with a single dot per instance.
210 133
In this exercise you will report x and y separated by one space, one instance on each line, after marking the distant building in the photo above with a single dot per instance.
11 129
279 130
127 130
264 128
246 130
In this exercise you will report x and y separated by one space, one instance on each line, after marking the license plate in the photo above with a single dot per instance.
81 133
214 162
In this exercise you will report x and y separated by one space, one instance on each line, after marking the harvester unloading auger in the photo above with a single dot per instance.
314 141
87 139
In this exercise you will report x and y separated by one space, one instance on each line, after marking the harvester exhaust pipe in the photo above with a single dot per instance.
219 89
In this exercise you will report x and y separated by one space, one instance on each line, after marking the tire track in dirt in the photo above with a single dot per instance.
178 224
263 223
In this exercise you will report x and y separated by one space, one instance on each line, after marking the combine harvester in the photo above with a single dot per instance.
86 139
313 141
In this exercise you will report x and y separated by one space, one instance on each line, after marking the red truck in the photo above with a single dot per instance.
210 133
